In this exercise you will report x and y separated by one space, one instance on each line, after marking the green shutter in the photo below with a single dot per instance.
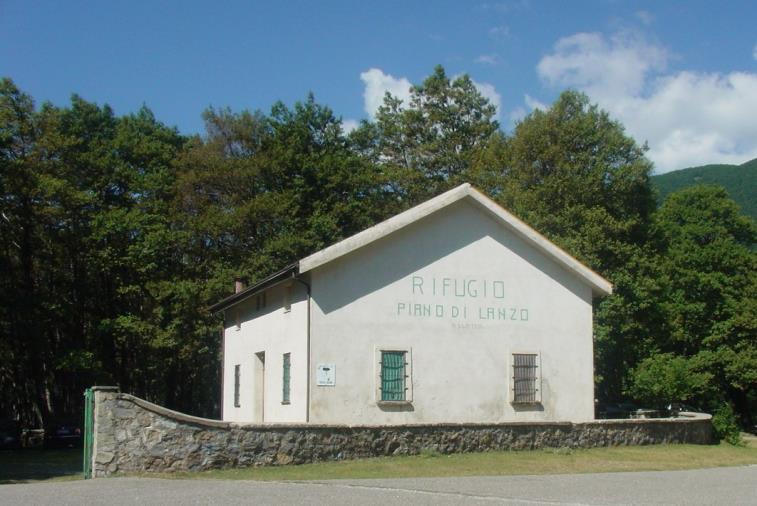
236 385
285 382
392 375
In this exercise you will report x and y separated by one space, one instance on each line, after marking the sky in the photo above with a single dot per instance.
680 75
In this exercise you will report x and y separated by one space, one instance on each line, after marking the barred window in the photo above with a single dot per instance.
285 379
236 385
393 376
526 378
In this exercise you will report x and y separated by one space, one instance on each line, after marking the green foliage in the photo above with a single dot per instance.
118 233
740 181
573 174
665 378
725 425
710 277
428 145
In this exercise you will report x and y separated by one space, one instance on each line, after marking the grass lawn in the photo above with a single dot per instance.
626 458
22 466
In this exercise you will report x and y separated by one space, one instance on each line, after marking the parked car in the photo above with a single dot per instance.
615 410
65 434
32 438
674 408
10 434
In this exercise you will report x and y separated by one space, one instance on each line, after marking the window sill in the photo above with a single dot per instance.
394 403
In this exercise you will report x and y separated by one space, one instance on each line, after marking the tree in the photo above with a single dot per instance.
665 378
295 188
710 274
24 384
573 174
85 213
427 145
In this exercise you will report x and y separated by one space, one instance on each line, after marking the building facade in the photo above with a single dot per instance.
453 311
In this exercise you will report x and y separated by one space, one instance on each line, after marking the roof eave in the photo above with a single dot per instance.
288 272
383 229
599 285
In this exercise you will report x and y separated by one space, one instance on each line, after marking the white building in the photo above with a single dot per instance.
453 311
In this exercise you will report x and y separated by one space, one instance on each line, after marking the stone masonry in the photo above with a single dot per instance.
133 435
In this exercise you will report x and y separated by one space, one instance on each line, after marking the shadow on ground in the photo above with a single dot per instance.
21 466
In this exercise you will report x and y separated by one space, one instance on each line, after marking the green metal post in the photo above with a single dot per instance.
89 398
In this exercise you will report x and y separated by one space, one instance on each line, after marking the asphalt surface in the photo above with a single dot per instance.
728 486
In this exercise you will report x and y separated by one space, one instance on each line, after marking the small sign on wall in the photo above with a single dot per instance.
325 375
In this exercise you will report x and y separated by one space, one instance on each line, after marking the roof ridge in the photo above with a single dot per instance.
599 284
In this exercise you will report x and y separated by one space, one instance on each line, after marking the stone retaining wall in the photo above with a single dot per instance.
133 435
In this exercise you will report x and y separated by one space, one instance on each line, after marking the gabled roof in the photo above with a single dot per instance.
598 284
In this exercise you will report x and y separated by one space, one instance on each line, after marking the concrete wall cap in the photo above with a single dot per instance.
175 415
104 389
207 422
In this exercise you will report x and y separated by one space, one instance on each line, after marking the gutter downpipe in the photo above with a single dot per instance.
223 363
307 386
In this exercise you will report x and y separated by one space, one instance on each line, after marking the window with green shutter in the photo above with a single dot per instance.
236 385
393 376
285 379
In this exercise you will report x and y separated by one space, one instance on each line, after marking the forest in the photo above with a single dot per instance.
118 233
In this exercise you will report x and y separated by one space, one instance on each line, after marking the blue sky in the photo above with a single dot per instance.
681 75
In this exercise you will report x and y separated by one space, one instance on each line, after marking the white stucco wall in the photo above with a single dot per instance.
273 331
461 357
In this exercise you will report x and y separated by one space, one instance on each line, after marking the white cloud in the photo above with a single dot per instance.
516 115
348 125
377 84
520 112
532 103
499 32
487 59
610 68
688 118
490 92
645 17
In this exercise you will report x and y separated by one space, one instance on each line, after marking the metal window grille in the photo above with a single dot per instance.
393 377
524 378
236 385
285 379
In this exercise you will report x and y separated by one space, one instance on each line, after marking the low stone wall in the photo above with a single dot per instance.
133 435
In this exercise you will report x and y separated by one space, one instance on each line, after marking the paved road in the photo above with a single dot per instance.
730 486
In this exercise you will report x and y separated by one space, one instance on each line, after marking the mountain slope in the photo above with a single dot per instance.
739 180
